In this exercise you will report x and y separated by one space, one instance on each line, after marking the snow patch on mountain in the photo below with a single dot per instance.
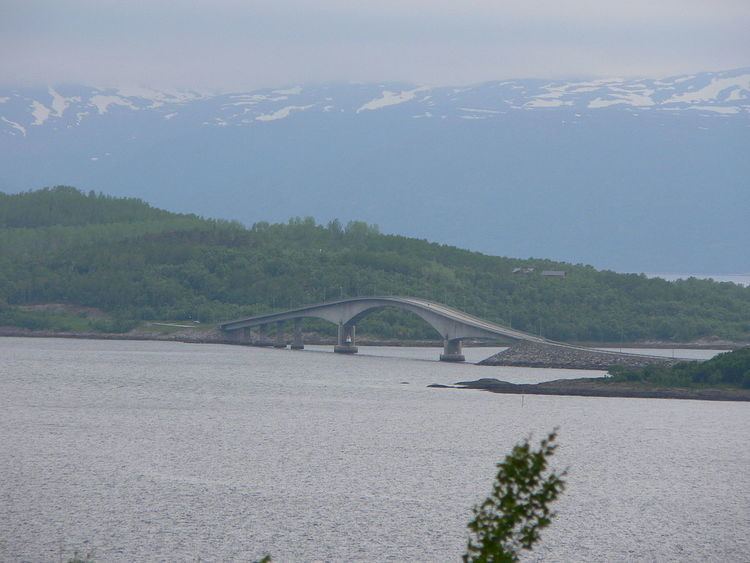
737 95
716 109
683 79
40 112
289 91
713 89
558 91
60 103
102 103
602 103
583 89
59 107
248 99
158 97
480 110
598 83
621 96
542 102
15 125
636 98
389 98
282 113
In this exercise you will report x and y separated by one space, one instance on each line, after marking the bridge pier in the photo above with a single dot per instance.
452 351
247 336
346 339
240 336
280 340
254 336
263 339
297 341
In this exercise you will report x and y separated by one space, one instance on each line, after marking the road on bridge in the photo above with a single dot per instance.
452 324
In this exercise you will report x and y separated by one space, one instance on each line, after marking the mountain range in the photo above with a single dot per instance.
628 174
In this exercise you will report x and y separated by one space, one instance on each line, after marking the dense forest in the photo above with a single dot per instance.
731 369
136 263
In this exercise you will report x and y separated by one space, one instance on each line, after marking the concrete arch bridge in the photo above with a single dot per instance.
453 325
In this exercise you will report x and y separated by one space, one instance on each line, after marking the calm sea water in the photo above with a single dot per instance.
146 451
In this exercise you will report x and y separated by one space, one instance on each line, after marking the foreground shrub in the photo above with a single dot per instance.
510 519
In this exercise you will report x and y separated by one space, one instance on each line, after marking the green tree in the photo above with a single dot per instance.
510 519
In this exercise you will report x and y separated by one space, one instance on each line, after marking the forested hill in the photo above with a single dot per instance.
136 263
67 206
731 369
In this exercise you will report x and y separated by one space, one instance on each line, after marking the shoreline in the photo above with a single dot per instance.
204 338
601 387
581 387
211 337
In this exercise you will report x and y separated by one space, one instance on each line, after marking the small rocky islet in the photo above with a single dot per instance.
602 387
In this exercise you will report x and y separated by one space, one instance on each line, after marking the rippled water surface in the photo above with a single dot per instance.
165 451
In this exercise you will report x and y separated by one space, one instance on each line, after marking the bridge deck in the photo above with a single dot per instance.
449 322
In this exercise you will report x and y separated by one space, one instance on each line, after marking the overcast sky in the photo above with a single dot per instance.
219 45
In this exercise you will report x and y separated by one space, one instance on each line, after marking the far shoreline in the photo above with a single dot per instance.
581 387
211 337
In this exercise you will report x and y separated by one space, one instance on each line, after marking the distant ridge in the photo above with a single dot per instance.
630 174
22 111
739 279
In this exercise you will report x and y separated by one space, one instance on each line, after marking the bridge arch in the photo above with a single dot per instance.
358 318
453 325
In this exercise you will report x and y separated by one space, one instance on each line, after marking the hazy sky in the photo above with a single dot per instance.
231 44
